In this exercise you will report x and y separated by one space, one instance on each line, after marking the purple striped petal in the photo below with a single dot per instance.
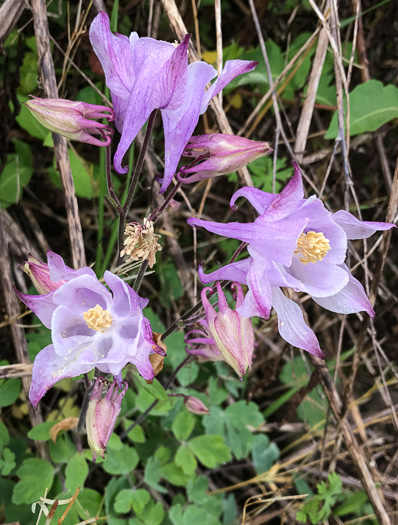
180 123
260 200
232 69
292 326
356 229
236 271
351 299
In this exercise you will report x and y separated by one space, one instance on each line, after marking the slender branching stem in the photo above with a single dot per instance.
140 276
134 183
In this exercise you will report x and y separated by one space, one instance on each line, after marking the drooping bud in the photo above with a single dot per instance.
195 405
102 414
221 154
73 120
200 344
40 274
232 333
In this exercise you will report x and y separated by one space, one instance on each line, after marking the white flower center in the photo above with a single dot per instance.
98 319
312 246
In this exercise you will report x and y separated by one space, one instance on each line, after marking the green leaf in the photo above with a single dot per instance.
217 394
111 491
90 503
185 459
76 472
352 504
82 172
7 462
4 436
16 174
197 489
121 461
174 474
136 434
264 453
210 450
154 319
36 475
41 431
155 389
128 499
171 288
63 449
232 423
183 425
153 474
9 391
242 413
28 73
154 514
6 488
371 105
193 514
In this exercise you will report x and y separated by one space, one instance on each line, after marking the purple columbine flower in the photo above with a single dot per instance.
231 331
90 327
222 154
144 74
102 414
294 243
73 120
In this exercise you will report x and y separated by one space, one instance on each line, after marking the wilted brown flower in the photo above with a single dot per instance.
141 242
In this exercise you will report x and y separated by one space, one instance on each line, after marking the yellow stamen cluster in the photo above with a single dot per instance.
313 246
98 319
141 242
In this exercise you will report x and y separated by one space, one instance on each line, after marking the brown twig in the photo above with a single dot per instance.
304 123
18 333
10 12
60 145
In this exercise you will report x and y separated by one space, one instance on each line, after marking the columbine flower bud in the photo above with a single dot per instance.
221 154
195 405
73 119
232 333
102 415
40 275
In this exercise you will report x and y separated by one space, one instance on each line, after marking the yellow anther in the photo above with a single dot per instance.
98 319
313 246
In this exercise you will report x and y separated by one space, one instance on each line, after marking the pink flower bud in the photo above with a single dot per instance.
72 119
102 414
232 333
221 154
40 274
195 405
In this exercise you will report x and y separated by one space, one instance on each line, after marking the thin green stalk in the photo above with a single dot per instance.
101 209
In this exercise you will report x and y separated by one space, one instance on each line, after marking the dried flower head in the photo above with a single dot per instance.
141 242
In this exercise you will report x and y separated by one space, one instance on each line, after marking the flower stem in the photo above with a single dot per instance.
141 418
84 408
134 182
154 216
111 190
140 276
